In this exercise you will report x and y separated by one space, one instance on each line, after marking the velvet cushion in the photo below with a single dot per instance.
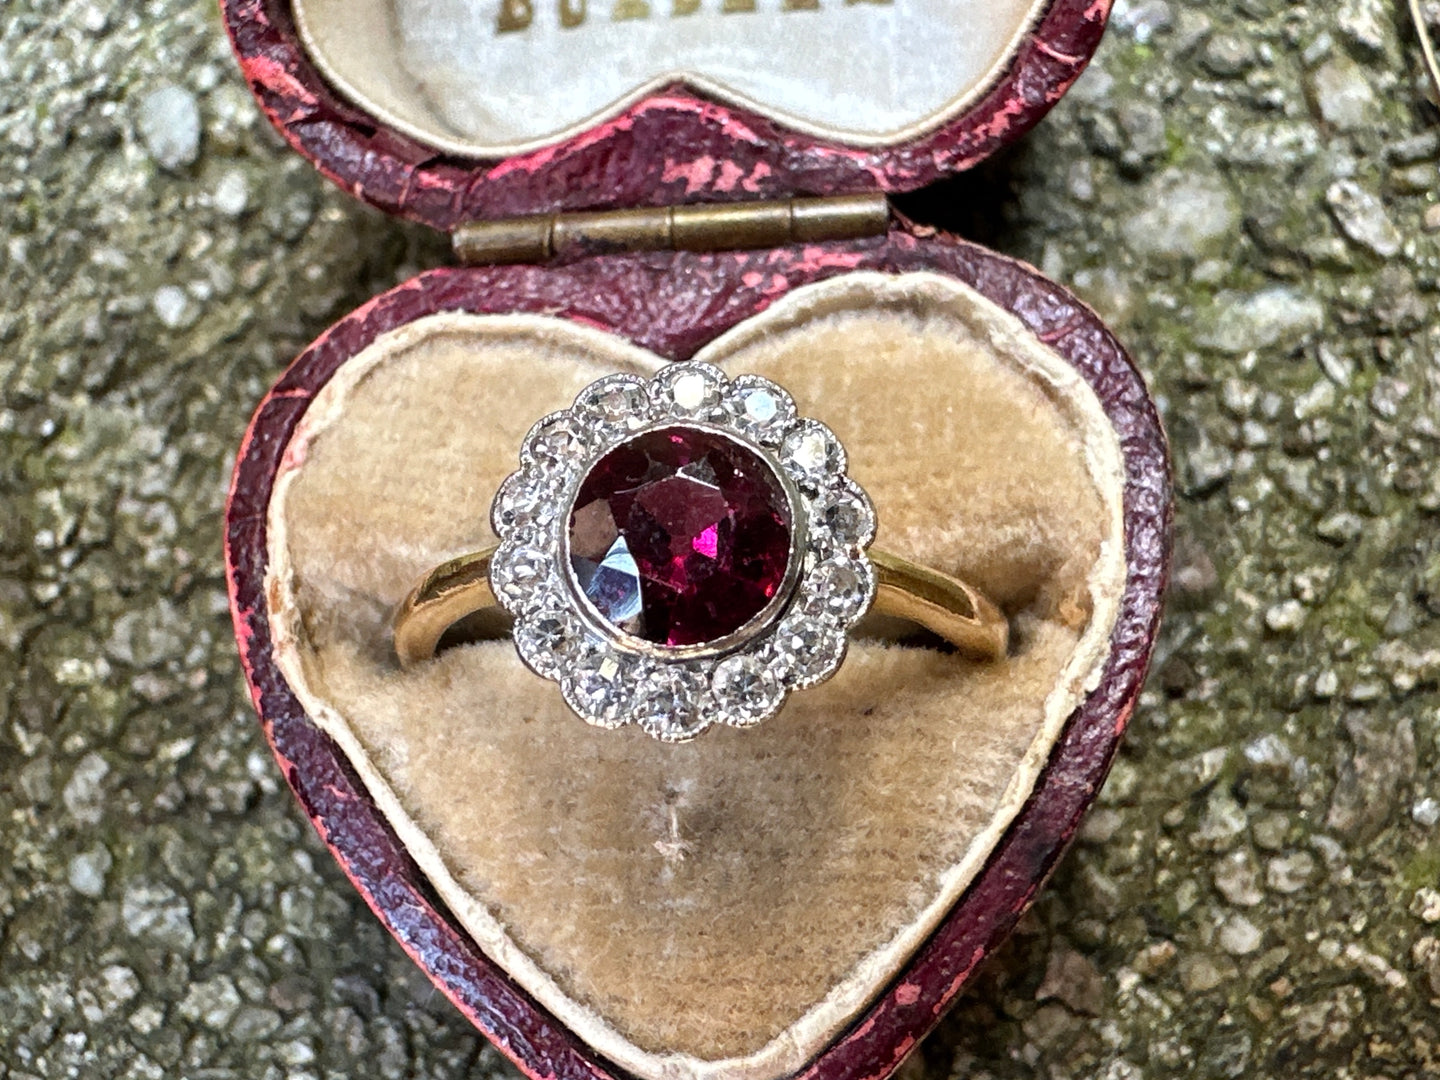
725 907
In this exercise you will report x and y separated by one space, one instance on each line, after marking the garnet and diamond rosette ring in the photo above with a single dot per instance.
685 551
682 552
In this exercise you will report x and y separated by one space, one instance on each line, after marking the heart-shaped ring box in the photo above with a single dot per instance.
666 179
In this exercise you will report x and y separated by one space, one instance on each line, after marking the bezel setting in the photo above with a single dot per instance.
611 678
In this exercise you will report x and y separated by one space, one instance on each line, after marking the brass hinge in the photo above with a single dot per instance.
704 227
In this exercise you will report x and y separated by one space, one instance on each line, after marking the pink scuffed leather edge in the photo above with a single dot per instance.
672 147
672 304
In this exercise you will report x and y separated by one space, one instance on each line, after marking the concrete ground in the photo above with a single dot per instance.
1246 189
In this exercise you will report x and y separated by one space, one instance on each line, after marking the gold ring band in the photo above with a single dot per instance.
944 605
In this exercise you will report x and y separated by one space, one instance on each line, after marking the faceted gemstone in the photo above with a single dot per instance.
843 519
547 639
516 573
809 650
669 703
597 687
522 501
746 689
812 455
680 536
692 389
839 589
619 401
761 409
554 444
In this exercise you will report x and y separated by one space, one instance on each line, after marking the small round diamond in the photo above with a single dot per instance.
746 690
808 652
518 575
522 503
760 408
839 590
690 390
618 403
548 640
556 444
669 703
812 456
598 688
843 520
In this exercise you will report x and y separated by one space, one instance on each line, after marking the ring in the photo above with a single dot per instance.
683 552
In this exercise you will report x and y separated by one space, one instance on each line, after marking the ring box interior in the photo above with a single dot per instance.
444 73
757 903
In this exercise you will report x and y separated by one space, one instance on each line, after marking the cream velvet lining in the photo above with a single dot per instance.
722 908
864 72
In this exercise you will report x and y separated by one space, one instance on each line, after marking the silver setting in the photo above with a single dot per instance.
611 678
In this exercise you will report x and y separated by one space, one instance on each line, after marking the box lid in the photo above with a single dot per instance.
447 111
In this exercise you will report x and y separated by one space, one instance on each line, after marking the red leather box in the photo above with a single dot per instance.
804 898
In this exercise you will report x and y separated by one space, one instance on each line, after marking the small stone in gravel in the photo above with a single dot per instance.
169 126
1286 617
252 1024
173 307
1426 955
1144 18
1072 979
1200 973
1269 752
87 871
1371 777
1316 401
1363 218
157 912
1183 215
1425 904
1290 873
1224 820
82 794
232 194
1376 966
146 1020
1270 830
1208 465
295 1052
213 1002
1366 23
118 986
1237 877
1344 96
1340 528
1426 812
1275 317
1228 55
1153 959
1239 936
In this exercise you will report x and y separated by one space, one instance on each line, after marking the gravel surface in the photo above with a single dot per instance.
1246 189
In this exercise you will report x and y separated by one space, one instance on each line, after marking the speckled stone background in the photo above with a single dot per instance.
1246 189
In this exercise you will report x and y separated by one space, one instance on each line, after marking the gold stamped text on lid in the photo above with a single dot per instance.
519 14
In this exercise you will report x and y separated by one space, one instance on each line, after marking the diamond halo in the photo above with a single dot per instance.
734 462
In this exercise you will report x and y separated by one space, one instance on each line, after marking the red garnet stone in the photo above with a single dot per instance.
680 536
